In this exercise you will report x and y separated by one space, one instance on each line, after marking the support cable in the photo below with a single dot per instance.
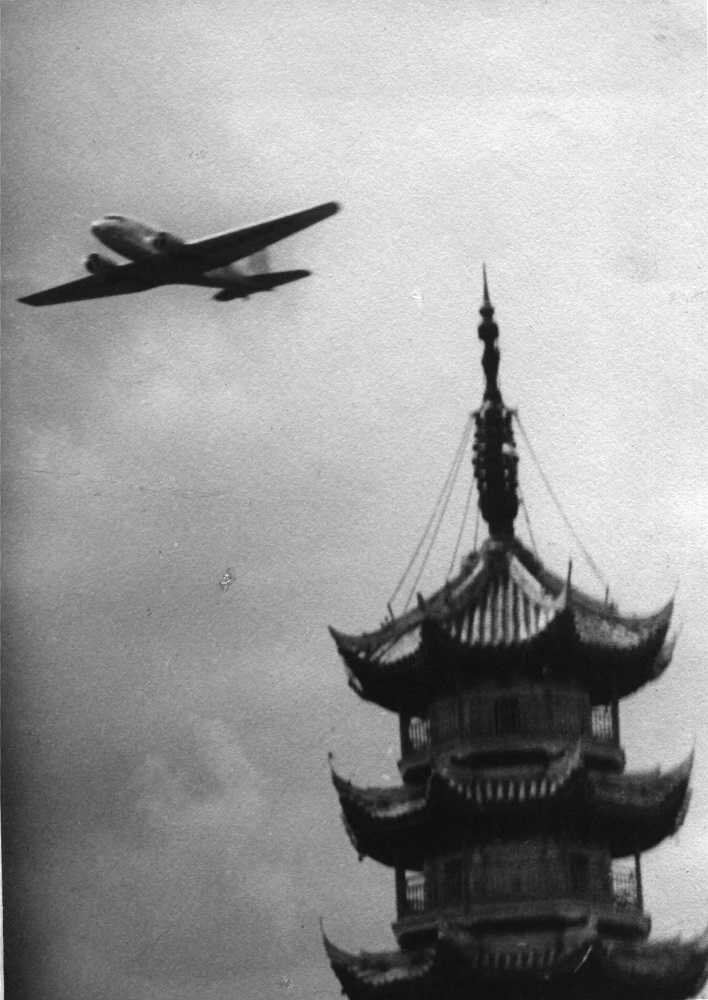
588 558
528 522
455 462
468 501
450 483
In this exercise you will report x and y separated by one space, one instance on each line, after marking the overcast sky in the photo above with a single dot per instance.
171 828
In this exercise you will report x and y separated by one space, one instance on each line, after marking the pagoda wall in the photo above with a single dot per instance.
528 710
528 869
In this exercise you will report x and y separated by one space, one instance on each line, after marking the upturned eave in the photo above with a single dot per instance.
389 973
629 812
640 810
578 960
673 968
503 602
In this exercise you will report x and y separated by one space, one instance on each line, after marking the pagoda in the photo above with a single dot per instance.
516 835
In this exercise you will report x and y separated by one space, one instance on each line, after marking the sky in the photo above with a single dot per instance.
170 827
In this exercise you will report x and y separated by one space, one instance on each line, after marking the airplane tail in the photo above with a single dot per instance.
260 283
264 282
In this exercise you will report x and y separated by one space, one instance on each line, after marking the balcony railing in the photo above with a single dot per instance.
508 718
416 897
625 893
419 733
415 735
626 887
525 714
603 724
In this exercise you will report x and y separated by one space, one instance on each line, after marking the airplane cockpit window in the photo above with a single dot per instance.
114 218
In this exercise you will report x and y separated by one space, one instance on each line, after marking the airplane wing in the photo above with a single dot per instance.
224 248
93 286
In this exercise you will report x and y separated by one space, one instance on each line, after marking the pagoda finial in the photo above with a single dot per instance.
488 333
494 449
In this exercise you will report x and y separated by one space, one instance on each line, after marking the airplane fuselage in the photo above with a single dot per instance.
162 253
129 238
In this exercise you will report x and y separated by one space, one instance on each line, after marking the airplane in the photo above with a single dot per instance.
159 258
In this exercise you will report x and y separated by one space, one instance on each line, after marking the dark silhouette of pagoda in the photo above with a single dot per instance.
516 835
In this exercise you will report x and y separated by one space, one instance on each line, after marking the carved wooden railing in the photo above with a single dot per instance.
627 886
416 898
512 717
419 733
603 724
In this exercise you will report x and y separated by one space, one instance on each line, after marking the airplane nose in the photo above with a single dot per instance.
97 226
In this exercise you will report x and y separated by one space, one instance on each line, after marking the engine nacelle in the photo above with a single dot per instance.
167 244
95 263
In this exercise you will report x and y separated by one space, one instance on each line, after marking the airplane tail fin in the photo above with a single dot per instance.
264 282
259 283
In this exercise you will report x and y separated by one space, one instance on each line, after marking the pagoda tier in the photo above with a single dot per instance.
629 813
579 963
505 613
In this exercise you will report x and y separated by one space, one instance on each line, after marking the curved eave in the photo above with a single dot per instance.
618 675
597 609
385 824
608 630
400 686
368 974
615 654
672 968
630 812
395 825
379 644
609 670
369 644
493 602
558 958
393 804
640 810
661 970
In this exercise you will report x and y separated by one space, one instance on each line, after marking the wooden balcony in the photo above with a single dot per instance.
499 727
617 907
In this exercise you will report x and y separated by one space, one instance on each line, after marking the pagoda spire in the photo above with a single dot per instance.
488 333
495 457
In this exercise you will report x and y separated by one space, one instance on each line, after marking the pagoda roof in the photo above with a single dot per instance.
503 601
376 970
459 961
631 812
681 966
